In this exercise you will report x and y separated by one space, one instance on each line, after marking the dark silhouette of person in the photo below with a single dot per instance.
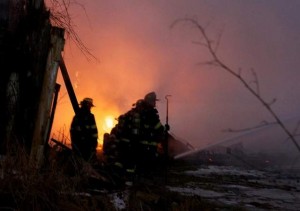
151 136
84 132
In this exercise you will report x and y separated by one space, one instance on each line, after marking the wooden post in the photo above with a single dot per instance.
69 86
44 110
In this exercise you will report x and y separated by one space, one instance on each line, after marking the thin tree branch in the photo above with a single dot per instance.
226 68
263 124
61 17
255 81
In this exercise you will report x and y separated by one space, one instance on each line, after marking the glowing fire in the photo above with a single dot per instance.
109 123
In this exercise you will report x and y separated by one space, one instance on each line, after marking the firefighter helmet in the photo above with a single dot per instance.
151 98
87 101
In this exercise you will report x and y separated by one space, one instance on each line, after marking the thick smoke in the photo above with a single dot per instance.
138 52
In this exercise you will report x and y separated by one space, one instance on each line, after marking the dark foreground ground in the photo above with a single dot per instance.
213 187
184 186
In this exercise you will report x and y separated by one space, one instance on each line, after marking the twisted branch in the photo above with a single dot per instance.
215 61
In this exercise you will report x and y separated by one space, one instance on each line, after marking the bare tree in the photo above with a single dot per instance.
61 17
215 60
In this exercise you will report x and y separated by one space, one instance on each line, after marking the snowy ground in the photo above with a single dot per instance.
251 189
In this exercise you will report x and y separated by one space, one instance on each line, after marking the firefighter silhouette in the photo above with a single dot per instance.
133 143
84 132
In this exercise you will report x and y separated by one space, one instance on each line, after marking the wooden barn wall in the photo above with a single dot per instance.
25 37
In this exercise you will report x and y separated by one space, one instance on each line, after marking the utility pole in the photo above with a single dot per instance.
166 144
167 112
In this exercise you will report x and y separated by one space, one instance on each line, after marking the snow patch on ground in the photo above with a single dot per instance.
226 170
253 189
119 199
196 191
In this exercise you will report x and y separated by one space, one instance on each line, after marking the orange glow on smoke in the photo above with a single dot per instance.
104 111
124 75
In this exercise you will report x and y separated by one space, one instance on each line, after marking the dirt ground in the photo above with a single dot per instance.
213 187
181 186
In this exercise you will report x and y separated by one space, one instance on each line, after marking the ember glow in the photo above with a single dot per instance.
109 124
105 121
